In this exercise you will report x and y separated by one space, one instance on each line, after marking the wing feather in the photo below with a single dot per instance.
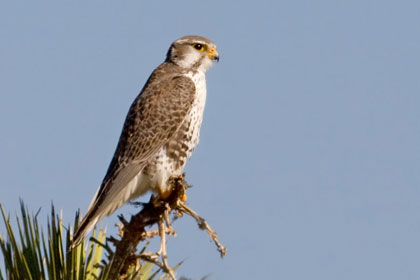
154 117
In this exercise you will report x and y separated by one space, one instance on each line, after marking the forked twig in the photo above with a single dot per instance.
202 224
156 211
162 250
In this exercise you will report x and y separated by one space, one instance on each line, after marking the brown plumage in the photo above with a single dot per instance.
160 131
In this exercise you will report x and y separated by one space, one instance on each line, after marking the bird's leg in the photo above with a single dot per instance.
164 195
177 189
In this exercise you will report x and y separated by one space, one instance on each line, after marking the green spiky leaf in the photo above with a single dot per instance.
30 253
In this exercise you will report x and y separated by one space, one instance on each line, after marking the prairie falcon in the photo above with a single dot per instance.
160 132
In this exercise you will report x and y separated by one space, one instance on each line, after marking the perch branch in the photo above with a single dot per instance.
202 224
156 211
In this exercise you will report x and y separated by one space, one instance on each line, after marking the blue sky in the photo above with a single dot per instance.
308 165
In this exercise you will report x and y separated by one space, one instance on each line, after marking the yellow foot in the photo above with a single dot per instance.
165 195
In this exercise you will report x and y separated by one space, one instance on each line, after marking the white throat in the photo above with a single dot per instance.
190 59
205 64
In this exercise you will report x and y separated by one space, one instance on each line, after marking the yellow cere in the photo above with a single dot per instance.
212 50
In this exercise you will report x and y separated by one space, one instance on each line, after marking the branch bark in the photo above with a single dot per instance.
156 211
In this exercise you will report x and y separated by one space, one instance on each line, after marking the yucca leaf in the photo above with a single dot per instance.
27 237
92 270
16 255
32 253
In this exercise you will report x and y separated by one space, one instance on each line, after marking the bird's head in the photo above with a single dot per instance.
193 53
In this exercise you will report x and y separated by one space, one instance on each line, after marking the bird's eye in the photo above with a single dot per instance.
199 47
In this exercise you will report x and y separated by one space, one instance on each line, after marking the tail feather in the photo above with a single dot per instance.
83 230
88 222
105 204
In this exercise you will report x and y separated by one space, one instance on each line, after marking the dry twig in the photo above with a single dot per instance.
202 224
156 211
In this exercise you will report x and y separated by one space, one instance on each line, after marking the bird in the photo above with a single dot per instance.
160 132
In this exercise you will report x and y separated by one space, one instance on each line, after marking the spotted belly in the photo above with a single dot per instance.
172 157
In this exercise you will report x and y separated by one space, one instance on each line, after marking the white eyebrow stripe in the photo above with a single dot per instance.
193 42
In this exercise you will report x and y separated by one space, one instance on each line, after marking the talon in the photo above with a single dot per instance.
184 197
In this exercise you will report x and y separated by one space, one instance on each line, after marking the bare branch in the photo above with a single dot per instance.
202 224
156 211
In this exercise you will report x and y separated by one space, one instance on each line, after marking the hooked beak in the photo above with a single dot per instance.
213 54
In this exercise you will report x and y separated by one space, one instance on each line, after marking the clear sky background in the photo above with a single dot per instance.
309 161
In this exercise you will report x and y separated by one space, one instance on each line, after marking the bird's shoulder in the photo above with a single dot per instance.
154 116
165 77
